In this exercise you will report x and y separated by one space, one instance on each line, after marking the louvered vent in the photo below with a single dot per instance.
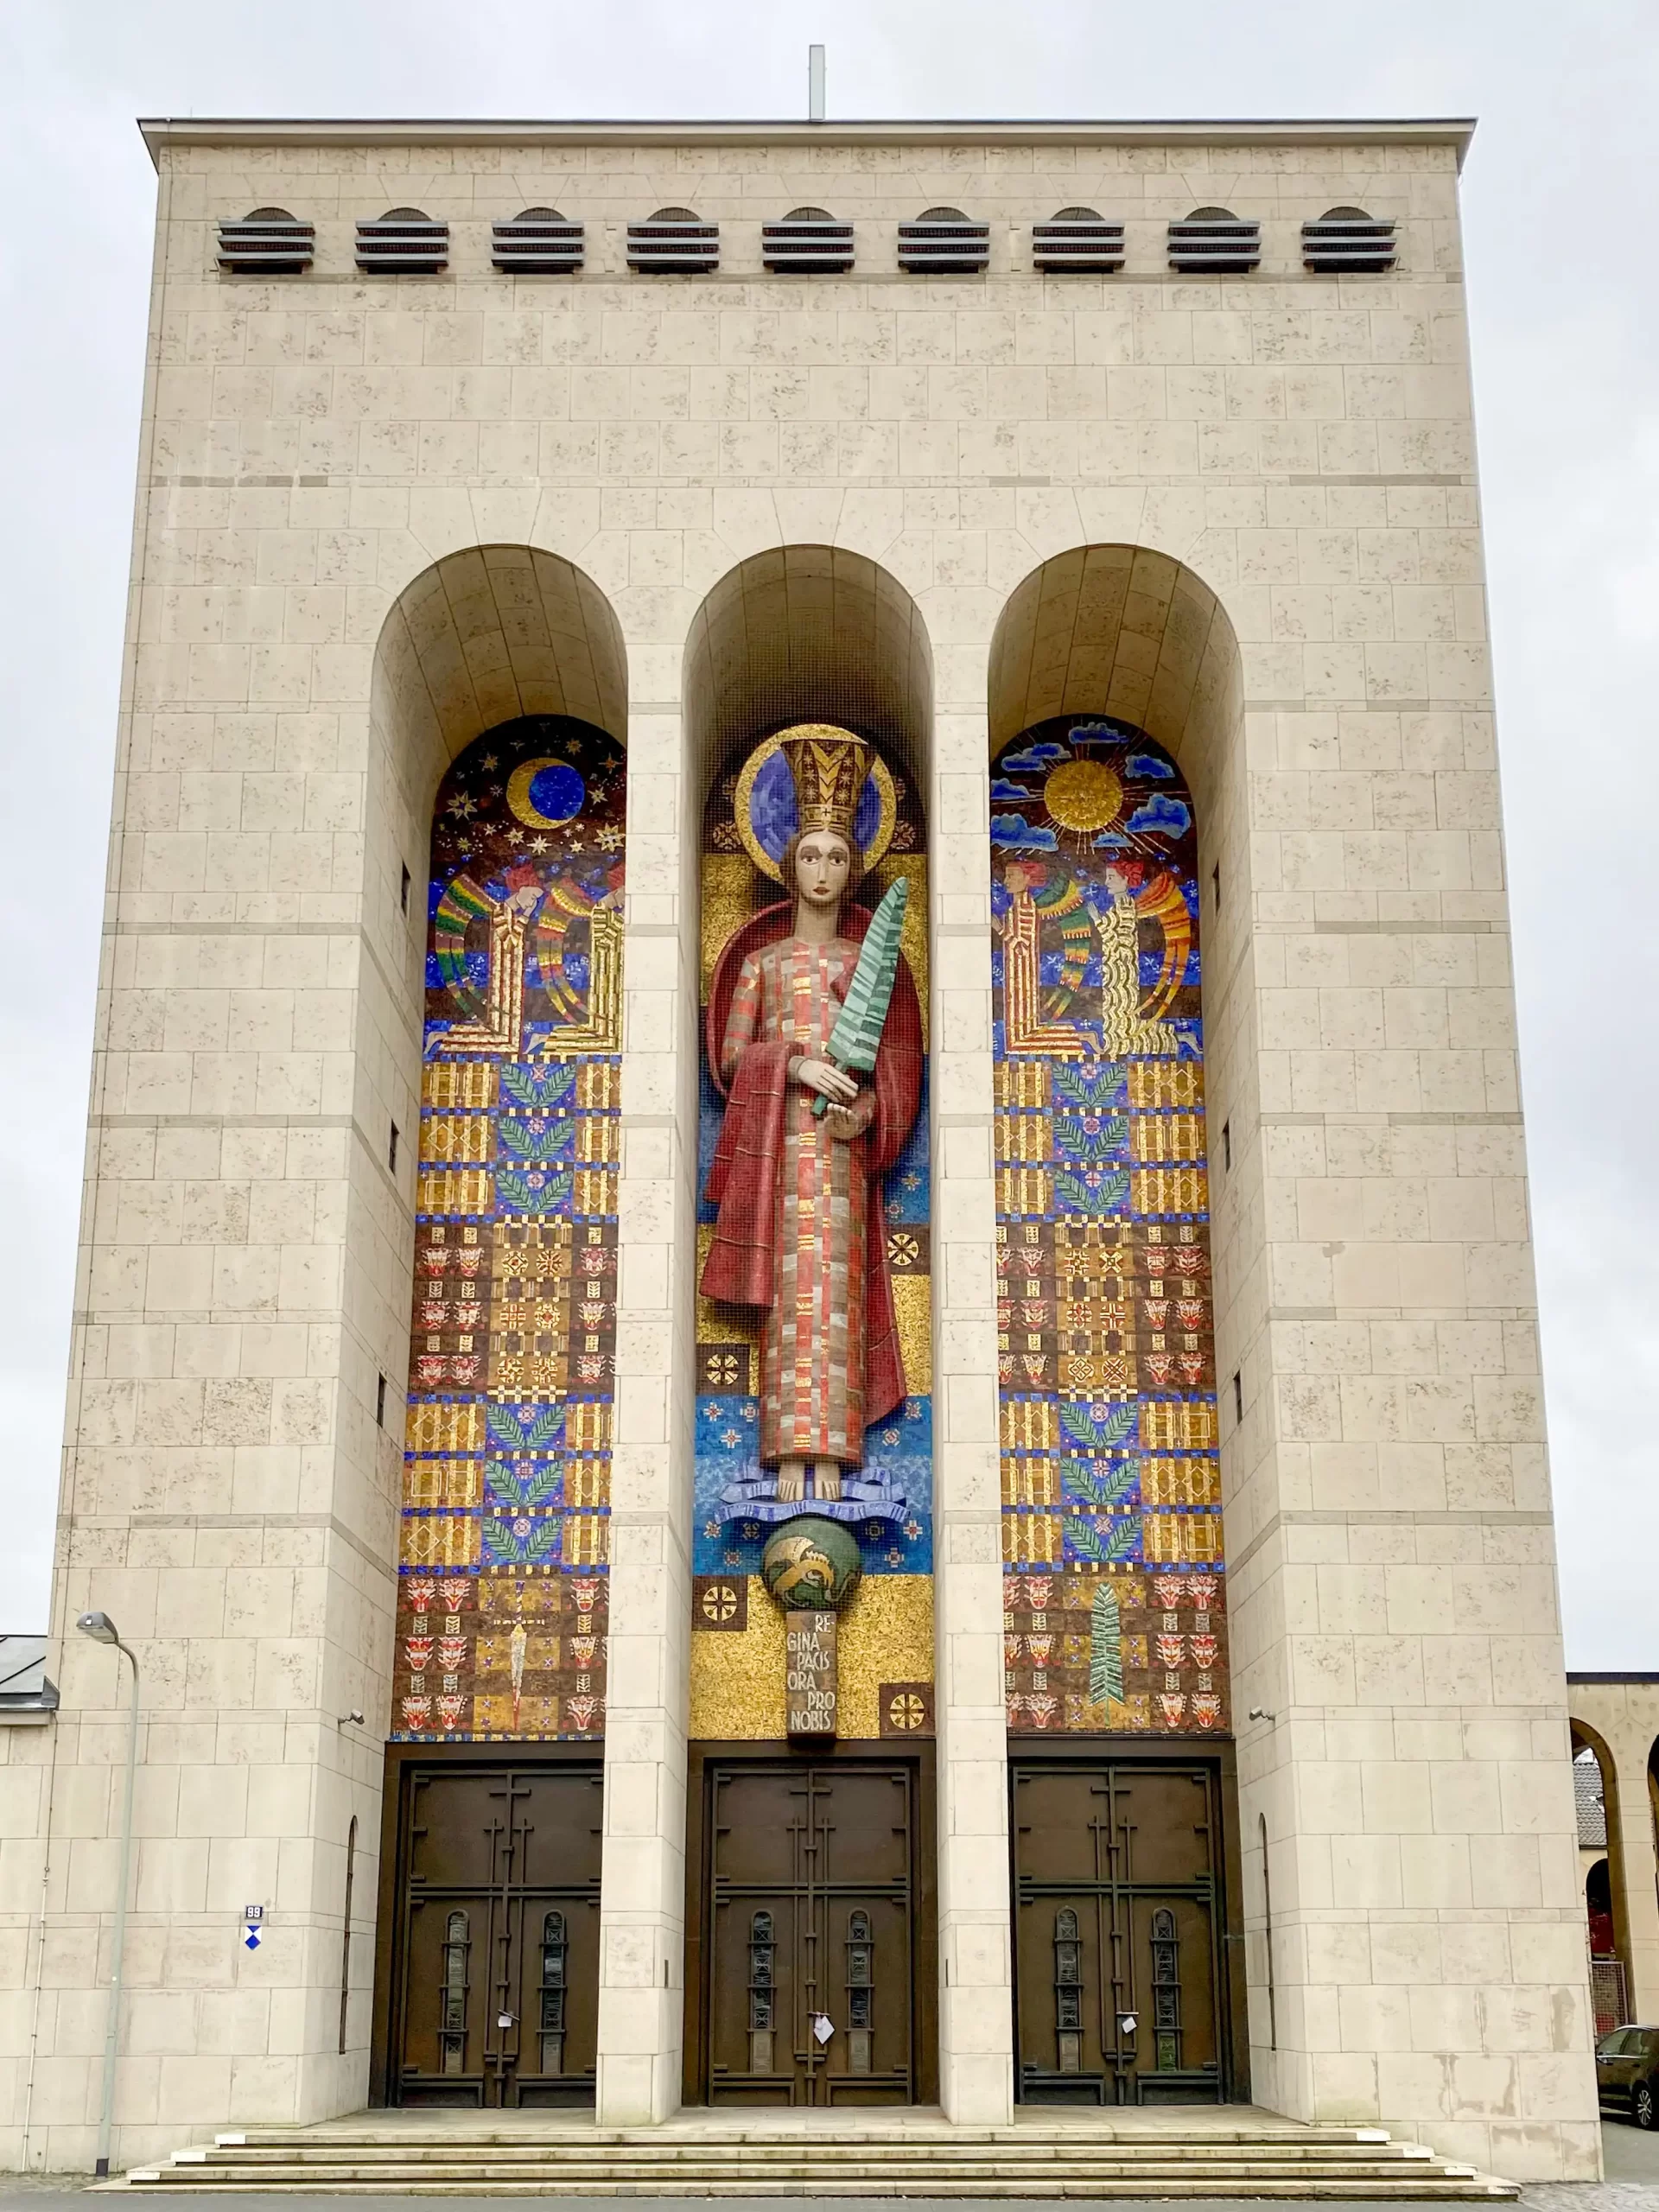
404 242
1346 242
538 243
943 243
268 243
674 243
1213 242
808 242
1077 240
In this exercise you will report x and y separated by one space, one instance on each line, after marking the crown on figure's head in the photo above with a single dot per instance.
830 767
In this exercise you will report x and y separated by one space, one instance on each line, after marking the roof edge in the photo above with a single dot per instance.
279 130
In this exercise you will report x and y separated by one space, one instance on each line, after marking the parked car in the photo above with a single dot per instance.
1627 2074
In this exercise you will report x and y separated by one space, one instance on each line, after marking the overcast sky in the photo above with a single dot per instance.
1561 214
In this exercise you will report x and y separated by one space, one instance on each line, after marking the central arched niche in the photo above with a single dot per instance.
803 633
810 634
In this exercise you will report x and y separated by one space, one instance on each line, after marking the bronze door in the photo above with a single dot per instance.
497 1987
1119 1934
810 1939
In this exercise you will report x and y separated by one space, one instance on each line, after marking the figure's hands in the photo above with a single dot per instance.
828 1080
846 1123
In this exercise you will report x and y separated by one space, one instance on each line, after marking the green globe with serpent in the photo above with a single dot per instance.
811 1564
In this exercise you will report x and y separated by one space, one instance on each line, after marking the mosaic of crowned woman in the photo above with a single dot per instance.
800 1232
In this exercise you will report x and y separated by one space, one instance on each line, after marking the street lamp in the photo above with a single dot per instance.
102 1629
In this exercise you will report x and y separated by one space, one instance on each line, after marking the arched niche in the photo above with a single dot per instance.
1585 1738
479 639
807 632
1123 630
484 636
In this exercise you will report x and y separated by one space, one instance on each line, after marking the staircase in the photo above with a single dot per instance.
1134 2154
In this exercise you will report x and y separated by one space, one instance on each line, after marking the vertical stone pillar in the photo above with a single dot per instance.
976 1954
642 1883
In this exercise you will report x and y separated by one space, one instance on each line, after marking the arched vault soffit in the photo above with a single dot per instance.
807 632
1116 630
488 634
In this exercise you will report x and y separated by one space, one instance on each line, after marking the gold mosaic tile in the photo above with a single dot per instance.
912 1307
885 1634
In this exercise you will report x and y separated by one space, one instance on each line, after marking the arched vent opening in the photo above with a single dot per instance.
809 242
1347 242
1078 240
537 243
1214 242
404 242
672 242
268 243
943 242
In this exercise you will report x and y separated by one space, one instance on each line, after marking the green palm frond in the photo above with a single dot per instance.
1105 1648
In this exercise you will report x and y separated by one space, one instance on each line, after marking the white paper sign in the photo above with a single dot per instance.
823 2027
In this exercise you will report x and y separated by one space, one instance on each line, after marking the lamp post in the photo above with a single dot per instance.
102 1629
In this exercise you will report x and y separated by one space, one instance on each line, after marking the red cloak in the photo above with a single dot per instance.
743 1181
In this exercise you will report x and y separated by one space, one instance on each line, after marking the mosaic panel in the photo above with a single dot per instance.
502 1611
885 1634
1113 1573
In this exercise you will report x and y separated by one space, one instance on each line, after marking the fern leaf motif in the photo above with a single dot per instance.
1105 1647
1091 1091
537 1089
1099 1428
529 1428
1106 1489
1098 1190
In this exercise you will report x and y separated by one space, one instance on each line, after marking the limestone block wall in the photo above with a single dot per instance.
312 448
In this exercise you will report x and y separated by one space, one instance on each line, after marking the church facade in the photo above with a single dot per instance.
806 1358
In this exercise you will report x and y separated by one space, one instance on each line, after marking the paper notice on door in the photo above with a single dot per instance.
823 2027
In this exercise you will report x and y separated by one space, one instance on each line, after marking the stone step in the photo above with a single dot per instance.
1415 2190
1270 2166
880 2154
799 2164
792 2150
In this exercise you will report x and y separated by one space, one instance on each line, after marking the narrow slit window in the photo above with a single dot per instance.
451 1998
1165 1992
403 892
1215 884
1227 1145
1267 1934
556 1953
392 1150
345 1932
763 1993
860 1993
1239 1394
381 1400
1068 1993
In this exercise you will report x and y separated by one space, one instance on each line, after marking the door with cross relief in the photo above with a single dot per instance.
496 1984
810 1935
